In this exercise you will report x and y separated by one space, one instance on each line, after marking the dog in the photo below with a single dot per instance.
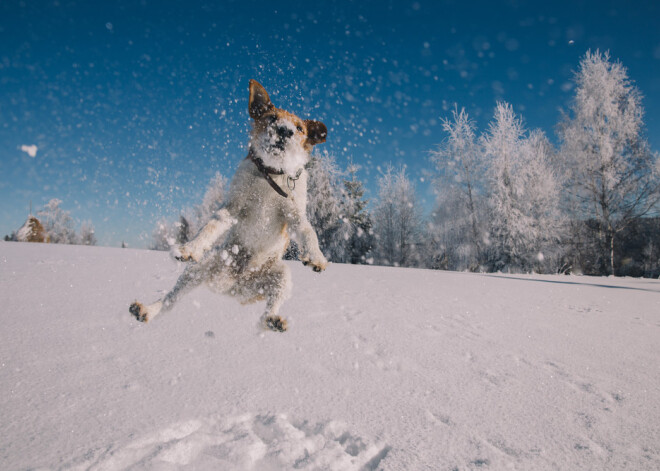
239 251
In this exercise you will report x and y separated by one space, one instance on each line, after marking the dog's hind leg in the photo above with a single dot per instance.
275 284
191 277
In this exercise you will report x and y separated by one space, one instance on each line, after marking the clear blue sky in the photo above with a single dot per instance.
134 105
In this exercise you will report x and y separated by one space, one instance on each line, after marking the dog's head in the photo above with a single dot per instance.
281 139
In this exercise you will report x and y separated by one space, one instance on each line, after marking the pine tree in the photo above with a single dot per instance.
183 230
360 238
502 151
397 221
324 207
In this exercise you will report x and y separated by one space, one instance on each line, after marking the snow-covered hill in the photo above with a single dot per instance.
382 368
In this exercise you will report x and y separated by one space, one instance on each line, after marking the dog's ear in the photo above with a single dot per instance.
316 132
259 101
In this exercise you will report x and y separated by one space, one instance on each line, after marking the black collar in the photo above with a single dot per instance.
268 171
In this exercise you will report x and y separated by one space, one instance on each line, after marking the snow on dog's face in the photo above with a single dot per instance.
279 138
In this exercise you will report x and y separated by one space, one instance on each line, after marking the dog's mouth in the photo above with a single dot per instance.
278 146
279 135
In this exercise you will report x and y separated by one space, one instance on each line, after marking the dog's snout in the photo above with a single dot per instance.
284 132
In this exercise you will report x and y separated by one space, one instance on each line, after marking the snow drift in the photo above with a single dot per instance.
382 368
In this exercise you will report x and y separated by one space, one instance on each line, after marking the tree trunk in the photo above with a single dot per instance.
611 250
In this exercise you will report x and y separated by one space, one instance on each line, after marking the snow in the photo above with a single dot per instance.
382 368
25 231
30 150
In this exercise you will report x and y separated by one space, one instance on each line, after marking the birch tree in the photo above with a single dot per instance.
613 175
458 224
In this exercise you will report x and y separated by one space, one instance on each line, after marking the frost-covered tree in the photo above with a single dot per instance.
324 207
523 195
191 220
508 223
359 240
612 174
87 235
57 223
539 177
163 236
397 221
458 224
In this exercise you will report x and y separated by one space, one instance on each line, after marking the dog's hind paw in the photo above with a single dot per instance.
275 323
139 312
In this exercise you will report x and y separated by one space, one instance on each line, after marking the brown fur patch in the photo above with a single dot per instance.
139 312
264 112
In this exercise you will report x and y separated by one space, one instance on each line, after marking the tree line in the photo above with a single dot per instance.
507 198
54 225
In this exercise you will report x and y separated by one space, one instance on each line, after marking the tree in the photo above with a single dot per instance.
502 151
191 220
57 223
163 235
324 207
458 225
397 221
523 195
539 199
612 174
360 237
87 235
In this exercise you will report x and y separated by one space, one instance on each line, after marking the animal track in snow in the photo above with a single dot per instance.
246 442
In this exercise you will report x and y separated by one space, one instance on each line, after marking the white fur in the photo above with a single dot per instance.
291 159
239 252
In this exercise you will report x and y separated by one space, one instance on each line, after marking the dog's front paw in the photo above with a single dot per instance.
275 323
139 312
182 253
316 265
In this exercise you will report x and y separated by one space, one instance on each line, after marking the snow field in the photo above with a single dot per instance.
382 369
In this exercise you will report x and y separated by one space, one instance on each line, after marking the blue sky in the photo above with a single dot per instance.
134 105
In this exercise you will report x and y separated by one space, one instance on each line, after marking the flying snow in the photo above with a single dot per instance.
30 150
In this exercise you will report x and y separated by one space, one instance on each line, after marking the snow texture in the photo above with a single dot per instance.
383 368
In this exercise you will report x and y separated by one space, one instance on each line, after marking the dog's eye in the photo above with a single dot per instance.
272 119
299 128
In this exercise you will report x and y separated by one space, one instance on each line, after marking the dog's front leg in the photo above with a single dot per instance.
311 254
206 237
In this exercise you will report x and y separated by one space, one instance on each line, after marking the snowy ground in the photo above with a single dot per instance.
382 368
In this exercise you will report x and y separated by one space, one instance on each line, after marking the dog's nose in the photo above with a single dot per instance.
284 132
